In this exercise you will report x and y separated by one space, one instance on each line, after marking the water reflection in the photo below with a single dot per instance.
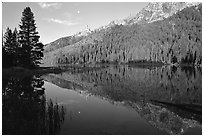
25 109
169 98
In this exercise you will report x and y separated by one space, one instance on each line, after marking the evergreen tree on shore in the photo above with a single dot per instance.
31 49
7 41
10 48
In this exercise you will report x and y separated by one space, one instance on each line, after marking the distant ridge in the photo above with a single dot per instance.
119 42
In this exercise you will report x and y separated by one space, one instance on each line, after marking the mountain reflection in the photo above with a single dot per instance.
25 109
169 98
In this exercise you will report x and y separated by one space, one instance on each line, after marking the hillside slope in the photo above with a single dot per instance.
175 39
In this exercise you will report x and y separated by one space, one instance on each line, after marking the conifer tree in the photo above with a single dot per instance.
10 48
16 48
31 51
6 48
7 42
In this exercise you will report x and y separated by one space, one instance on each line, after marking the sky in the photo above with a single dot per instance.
56 20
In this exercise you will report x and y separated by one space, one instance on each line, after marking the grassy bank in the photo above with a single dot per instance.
23 72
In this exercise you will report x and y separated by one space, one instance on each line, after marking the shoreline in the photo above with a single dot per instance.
23 72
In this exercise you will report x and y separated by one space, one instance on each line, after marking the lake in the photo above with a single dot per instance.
113 100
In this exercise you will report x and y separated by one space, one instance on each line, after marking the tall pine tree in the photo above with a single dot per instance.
31 51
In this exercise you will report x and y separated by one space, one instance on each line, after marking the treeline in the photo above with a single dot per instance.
175 40
22 48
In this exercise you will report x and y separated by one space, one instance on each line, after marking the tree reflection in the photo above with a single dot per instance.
25 110
168 97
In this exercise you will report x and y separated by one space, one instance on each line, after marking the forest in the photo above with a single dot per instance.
174 40
21 48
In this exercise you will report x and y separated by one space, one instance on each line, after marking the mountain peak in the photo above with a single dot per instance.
155 11
84 32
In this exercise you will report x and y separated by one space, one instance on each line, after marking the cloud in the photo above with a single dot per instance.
47 5
64 22
67 15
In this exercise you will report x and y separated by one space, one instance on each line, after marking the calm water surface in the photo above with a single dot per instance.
110 100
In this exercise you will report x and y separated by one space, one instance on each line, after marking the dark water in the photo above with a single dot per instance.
111 100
